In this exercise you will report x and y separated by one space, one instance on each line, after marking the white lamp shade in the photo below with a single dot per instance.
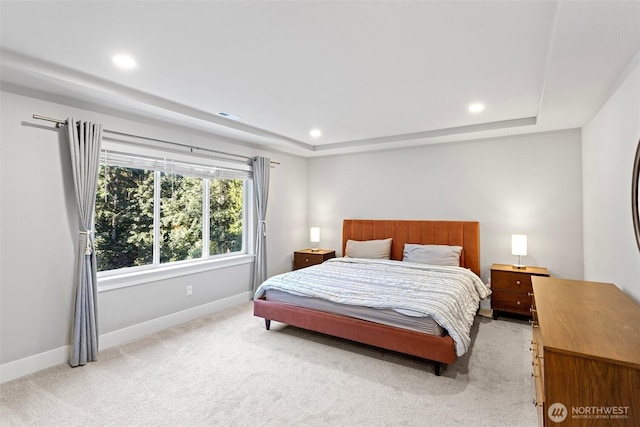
314 234
519 244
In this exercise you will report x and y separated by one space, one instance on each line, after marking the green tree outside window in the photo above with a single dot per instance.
124 217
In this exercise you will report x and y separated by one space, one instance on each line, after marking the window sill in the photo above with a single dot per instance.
113 282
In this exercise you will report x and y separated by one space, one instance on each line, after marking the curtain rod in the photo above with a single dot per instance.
60 122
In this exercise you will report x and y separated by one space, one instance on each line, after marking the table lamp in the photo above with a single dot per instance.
519 248
314 236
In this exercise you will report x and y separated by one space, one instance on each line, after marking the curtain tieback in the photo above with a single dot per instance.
264 231
87 249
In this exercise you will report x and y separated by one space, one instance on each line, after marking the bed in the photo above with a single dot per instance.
431 343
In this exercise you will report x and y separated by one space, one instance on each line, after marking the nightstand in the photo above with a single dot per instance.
307 257
511 288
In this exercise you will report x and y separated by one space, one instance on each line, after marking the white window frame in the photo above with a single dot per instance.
133 276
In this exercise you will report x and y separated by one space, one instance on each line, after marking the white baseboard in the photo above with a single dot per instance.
28 365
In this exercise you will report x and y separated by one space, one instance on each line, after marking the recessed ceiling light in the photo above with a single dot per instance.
228 115
476 107
315 133
124 61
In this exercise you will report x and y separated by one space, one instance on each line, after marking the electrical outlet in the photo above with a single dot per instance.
189 290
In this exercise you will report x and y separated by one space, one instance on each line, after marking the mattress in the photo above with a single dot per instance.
387 317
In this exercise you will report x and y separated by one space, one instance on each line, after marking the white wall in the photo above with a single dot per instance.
39 229
609 142
530 184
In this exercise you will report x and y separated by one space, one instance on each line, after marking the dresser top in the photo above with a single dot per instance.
591 319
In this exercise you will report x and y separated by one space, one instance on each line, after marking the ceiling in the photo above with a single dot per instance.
368 74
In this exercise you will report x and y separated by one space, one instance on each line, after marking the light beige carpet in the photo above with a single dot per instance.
227 370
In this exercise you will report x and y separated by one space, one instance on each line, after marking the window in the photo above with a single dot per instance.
151 212
124 217
225 225
180 217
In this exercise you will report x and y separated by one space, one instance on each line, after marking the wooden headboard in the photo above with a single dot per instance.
453 233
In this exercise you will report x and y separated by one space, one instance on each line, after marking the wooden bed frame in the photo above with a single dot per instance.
435 348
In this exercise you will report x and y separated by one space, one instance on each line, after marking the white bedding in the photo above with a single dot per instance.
451 295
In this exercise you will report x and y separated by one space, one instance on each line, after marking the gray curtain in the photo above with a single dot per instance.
84 145
261 171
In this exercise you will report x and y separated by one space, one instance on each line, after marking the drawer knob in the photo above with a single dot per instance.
518 302
517 282
306 260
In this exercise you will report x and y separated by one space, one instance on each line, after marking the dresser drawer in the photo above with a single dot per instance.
511 280
537 366
513 302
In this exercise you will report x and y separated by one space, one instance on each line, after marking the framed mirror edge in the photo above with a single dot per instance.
634 195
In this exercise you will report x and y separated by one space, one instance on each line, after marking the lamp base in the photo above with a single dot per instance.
519 267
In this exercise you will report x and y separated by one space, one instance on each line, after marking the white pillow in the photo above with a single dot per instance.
432 254
378 249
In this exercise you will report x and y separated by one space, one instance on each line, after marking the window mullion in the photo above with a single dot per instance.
247 213
156 216
206 218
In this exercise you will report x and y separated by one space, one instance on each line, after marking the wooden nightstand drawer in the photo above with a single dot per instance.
306 257
511 281
304 260
513 302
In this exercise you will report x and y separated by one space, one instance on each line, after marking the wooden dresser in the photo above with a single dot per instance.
511 288
586 354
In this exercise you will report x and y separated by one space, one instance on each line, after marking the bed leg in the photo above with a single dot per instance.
436 368
267 324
